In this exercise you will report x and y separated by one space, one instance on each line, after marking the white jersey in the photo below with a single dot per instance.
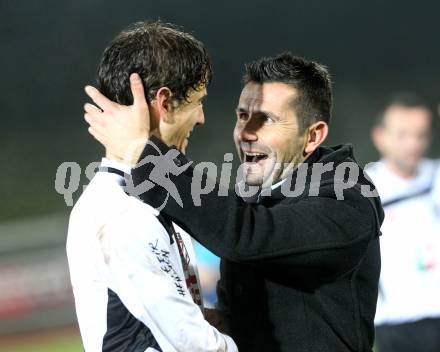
128 279
410 245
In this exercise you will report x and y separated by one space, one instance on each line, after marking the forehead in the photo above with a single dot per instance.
274 96
405 117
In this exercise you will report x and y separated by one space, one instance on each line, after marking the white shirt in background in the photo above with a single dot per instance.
410 244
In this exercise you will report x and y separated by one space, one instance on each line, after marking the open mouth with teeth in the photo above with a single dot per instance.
253 157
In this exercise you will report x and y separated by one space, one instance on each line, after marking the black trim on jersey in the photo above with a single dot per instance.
168 225
124 332
407 197
113 170
417 194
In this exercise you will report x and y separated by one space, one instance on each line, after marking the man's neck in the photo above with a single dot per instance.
290 168
156 132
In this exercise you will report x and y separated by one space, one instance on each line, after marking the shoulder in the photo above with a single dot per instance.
430 165
101 201
105 205
436 166
428 173
431 171
102 195
337 198
374 168
136 224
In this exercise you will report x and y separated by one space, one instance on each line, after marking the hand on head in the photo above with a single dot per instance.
122 130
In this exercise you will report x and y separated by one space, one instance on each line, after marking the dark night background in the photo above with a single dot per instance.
50 50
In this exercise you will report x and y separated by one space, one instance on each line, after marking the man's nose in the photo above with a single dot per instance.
248 131
201 117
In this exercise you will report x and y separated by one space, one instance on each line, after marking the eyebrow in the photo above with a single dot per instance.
262 112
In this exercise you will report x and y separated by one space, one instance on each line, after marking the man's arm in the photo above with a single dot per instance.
150 288
321 236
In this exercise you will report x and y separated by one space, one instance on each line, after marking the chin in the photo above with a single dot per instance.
254 180
183 149
260 175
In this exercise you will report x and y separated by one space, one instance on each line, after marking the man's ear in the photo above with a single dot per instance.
163 102
315 136
377 137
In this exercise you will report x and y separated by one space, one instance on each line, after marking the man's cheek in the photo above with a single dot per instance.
235 136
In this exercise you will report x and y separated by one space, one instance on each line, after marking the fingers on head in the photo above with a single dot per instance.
99 99
94 119
137 90
97 135
90 108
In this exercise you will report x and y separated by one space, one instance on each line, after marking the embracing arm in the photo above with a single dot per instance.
321 234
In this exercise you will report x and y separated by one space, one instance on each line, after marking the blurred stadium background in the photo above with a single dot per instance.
50 50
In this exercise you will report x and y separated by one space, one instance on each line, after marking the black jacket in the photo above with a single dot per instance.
297 273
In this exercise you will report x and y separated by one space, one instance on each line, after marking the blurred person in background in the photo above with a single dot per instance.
133 271
408 311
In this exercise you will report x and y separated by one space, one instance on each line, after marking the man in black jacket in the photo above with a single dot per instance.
300 257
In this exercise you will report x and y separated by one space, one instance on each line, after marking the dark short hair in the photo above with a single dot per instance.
161 54
403 99
310 79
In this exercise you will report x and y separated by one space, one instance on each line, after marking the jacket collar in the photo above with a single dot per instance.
336 154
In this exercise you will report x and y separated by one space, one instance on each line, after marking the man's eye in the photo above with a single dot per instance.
267 119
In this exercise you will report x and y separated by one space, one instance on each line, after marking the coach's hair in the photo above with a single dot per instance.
311 80
402 99
161 54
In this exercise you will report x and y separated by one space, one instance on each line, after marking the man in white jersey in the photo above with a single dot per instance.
132 270
408 310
